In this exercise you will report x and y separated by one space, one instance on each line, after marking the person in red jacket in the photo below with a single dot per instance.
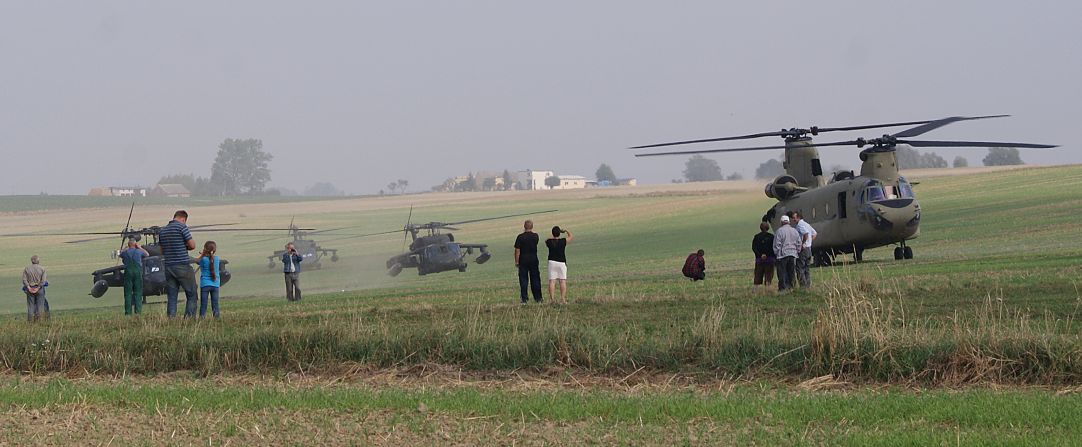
695 266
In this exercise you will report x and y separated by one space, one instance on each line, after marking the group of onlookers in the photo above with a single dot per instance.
788 251
529 266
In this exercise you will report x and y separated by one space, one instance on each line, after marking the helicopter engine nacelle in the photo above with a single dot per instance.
783 187
99 288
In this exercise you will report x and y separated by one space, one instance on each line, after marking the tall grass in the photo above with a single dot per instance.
863 330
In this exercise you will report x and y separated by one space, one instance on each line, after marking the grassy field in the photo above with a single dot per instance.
988 305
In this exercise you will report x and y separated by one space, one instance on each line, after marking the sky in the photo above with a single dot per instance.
361 93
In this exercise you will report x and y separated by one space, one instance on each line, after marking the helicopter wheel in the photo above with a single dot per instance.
334 258
907 252
899 253
822 259
462 268
270 264
858 254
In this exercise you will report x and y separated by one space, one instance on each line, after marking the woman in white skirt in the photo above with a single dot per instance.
558 262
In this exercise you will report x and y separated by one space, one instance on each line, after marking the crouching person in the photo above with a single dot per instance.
695 266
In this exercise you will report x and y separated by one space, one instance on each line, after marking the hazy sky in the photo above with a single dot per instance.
362 93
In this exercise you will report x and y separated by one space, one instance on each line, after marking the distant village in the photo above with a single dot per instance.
159 190
530 180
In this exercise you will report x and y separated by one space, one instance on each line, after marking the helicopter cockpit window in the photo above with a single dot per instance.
873 192
905 190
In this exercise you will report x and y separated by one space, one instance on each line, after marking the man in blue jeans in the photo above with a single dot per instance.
176 240
291 268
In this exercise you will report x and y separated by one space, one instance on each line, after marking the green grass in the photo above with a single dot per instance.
741 414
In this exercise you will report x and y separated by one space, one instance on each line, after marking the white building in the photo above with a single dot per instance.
119 191
535 180
571 182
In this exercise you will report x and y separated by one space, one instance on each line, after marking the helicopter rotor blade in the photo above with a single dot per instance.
497 217
405 231
933 125
977 144
710 151
788 132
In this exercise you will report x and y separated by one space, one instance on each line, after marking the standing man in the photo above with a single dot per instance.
133 277
804 261
291 267
529 273
176 240
34 282
786 249
763 247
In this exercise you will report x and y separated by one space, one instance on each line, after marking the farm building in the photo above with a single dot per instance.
171 190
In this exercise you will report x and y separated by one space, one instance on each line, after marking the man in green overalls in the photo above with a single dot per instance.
133 277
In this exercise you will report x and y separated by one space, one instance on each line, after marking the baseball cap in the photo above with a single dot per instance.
784 219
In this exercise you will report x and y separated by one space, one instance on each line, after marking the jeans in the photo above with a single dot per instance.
180 276
803 267
786 271
293 286
529 275
37 306
133 289
212 293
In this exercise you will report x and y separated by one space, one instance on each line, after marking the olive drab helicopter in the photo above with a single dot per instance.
436 251
153 265
851 213
307 248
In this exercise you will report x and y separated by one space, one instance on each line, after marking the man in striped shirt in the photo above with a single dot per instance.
176 240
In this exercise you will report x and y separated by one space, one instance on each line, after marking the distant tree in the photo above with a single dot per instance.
508 180
392 186
770 169
734 176
960 162
604 174
323 189
701 169
552 181
402 184
488 184
471 183
1003 156
909 158
240 167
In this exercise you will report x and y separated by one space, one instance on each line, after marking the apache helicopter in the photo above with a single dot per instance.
851 213
437 251
309 249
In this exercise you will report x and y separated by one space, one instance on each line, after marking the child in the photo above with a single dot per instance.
209 279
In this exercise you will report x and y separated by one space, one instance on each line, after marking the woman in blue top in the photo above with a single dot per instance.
209 279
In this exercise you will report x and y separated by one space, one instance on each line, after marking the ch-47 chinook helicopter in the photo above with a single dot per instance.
437 251
851 213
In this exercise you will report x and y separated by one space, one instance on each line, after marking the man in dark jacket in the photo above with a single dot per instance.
763 247
695 266
291 267
529 275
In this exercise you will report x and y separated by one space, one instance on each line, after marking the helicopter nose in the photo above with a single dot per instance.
897 215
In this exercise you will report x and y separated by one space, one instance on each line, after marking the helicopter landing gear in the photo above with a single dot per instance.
270 264
334 257
903 252
858 253
823 259
462 268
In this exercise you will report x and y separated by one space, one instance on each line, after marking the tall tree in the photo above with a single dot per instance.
507 180
322 189
909 158
392 186
552 181
770 169
604 174
1003 156
488 184
960 162
701 169
402 184
241 167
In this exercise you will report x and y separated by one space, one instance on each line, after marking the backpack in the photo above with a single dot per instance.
691 266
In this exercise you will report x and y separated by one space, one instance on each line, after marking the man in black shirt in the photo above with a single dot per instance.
558 262
527 263
763 247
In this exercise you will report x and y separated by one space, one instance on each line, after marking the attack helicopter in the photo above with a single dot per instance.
851 213
436 251
307 248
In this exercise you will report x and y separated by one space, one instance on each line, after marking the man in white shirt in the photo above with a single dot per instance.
804 261
786 249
